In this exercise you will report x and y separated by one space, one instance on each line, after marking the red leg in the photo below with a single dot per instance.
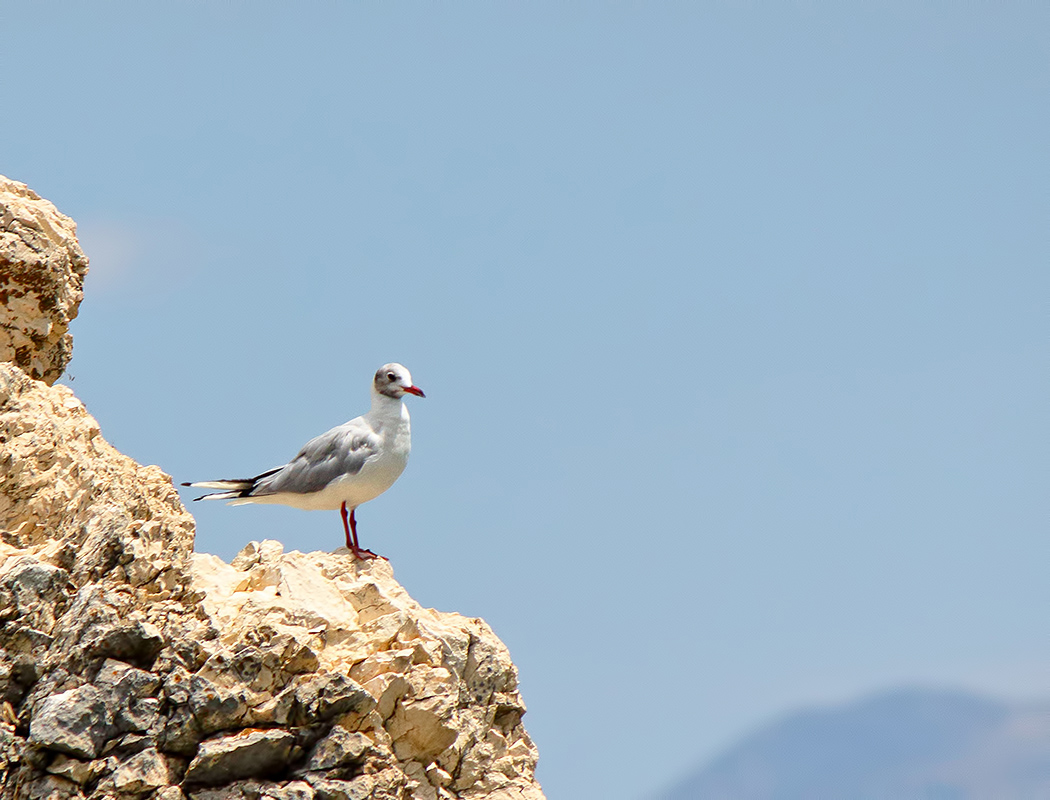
350 543
359 551
350 526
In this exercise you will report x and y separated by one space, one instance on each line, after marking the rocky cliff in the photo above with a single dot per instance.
132 667
42 272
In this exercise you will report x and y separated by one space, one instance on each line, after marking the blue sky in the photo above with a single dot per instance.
731 319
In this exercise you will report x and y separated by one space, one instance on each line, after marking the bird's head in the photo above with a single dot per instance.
393 380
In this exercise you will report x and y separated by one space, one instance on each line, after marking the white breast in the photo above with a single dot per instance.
376 476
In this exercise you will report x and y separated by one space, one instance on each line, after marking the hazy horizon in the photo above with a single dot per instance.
904 743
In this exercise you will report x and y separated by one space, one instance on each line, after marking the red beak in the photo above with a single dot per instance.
415 390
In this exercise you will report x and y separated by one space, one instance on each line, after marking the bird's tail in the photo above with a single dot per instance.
231 489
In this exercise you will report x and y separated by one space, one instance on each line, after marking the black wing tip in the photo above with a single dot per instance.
184 483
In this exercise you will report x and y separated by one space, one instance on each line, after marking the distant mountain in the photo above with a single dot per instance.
913 744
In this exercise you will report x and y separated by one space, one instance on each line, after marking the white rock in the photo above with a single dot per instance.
144 772
76 722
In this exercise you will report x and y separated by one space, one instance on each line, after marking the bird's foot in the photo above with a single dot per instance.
367 555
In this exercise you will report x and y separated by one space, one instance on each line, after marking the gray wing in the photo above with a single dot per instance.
341 451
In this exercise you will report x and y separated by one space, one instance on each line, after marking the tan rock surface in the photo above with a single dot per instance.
66 494
42 272
131 667
444 686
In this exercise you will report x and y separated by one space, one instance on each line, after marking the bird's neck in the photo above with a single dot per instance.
388 409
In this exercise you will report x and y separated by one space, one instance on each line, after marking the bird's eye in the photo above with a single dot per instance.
390 376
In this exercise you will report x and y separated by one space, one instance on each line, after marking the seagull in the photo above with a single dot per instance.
350 465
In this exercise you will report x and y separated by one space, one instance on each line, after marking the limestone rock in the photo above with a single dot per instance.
80 772
144 772
130 693
69 500
439 689
339 748
245 754
132 667
76 722
42 272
